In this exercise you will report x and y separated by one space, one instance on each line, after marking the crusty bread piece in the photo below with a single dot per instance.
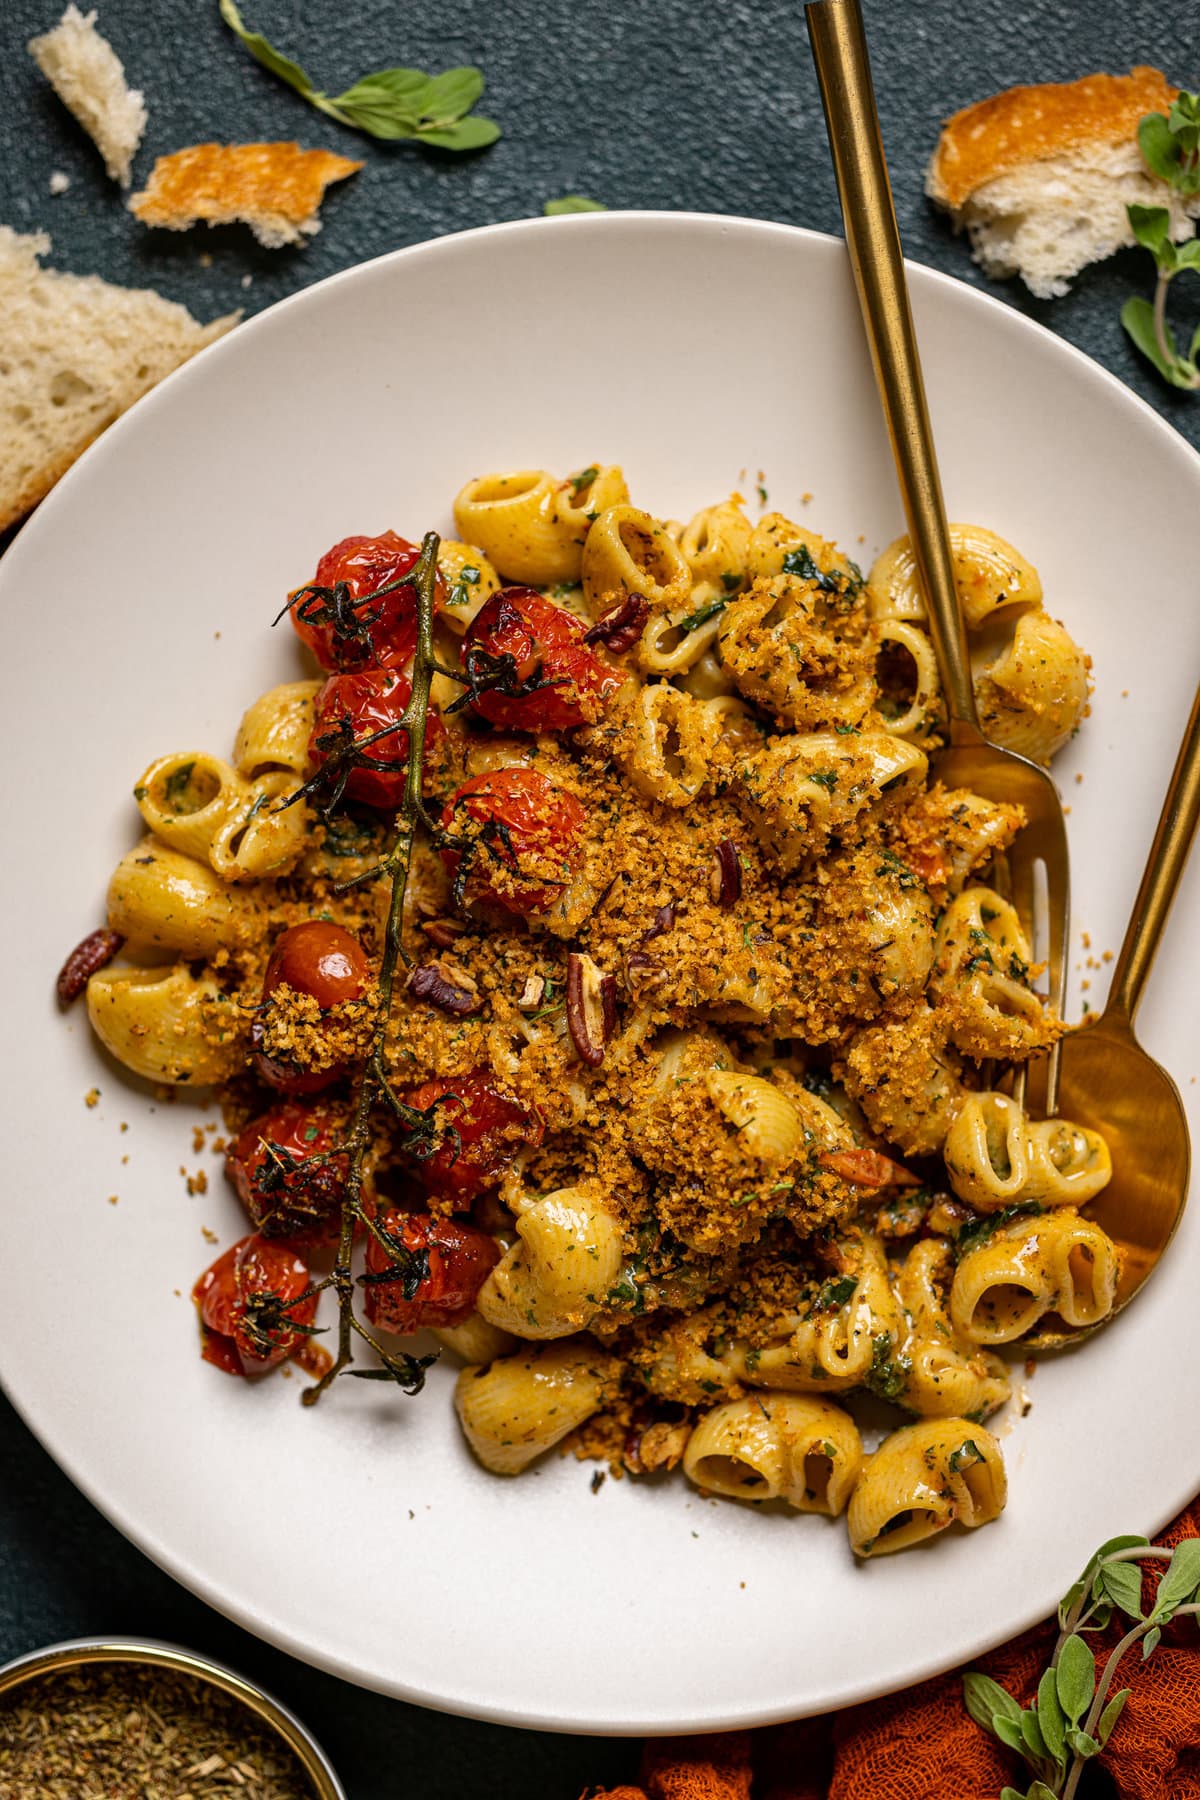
76 353
1041 176
88 76
274 188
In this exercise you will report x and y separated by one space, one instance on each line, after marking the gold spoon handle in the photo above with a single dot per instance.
839 48
1164 866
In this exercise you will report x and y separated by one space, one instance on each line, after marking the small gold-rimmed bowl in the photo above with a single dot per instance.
89 1653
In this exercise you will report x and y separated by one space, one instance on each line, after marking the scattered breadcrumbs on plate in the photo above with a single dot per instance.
210 1237
113 1199
92 1097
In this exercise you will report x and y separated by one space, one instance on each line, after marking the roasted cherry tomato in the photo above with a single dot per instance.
319 958
460 1258
353 708
546 644
290 1175
249 1302
356 632
481 1132
524 835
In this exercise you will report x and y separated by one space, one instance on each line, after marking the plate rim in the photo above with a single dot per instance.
26 543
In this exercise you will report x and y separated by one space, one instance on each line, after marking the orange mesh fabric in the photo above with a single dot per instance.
921 1744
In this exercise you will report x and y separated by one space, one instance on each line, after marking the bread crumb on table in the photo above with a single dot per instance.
59 183
276 189
89 78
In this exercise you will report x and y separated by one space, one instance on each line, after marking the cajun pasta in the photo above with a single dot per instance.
696 1112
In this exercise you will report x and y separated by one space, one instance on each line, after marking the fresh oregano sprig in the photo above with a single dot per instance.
1170 144
392 104
572 203
1075 1711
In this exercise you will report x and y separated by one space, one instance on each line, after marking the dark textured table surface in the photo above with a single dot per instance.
638 103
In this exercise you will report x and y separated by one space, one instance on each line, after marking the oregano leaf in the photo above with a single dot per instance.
1137 316
1050 1716
1081 1743
572 203
1073 1596
1031 1735
1151 226
1075 1678
1150 1643
1181 1579
986 1700
1111 1714
1009 1732
475 133
266 53
1039 1791
1121 1582
391 104
1158 145
451 94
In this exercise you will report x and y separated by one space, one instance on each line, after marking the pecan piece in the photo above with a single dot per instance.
591 1008
725 882
429 982
621 626
95 951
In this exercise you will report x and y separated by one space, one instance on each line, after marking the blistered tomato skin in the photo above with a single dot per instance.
460 1260
366 632
319 958
289 1174
525 835
239 1337
545 643
360 706
482 1131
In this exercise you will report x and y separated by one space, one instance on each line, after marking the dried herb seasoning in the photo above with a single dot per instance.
130 1731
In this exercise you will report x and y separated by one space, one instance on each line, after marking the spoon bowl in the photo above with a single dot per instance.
1109 1084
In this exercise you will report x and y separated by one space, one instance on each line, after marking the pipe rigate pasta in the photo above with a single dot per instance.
942 1376
1033 696
628 552
981 971
514 520
922 1479
275 731
696 954
1051 1262
992 577
996 1156
165 1023
515 1409
470 580
556 1278
806 1452
797 792
162 900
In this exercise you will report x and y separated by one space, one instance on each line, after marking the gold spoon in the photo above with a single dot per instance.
839 49
1108 1082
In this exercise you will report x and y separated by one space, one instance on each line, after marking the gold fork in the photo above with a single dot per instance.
1039 851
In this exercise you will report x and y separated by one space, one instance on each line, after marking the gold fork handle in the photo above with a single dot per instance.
839 48
1164 866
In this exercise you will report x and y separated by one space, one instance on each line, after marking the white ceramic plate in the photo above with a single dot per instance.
361 1536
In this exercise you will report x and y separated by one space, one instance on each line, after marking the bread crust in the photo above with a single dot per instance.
1025 124
219 183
